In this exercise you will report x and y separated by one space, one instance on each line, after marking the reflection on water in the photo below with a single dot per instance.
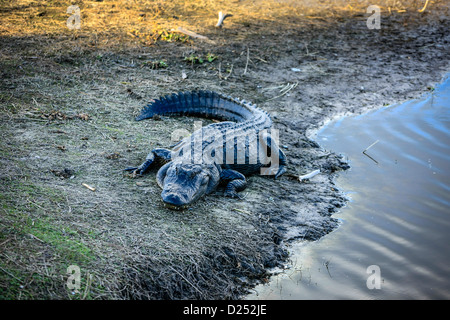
399 214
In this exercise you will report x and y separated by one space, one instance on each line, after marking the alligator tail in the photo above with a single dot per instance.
205 104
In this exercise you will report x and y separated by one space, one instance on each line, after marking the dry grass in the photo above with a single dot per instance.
102 19
119 234
67 101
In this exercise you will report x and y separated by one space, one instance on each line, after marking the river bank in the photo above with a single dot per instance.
68 101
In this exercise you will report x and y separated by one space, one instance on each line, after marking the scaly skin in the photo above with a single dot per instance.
220 153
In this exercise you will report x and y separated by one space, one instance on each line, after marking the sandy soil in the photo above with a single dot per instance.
69 97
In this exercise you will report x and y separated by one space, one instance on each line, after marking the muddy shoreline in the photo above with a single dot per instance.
303 70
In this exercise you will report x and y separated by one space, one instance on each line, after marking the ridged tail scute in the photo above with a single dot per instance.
203 104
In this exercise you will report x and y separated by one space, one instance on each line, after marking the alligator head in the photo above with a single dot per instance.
183 183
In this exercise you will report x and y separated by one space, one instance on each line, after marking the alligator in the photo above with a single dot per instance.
219 153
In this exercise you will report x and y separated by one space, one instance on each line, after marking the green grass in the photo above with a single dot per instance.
34 219
63 240
28 226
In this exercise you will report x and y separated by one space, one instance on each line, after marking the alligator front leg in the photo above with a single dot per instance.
235 182
155 156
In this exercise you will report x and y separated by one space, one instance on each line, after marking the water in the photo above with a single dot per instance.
398 218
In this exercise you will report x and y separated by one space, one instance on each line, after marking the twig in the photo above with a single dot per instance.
261 59
222 18
371 146
246 64
309 175
291 176
231 70
288 87
187 281
285 90
241 211
190 33
88 186
34 237
34 203
220 72
35 102
424 7
364 152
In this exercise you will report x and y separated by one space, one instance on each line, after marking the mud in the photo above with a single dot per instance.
303 68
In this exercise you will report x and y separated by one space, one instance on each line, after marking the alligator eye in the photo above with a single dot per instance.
205 179
191 174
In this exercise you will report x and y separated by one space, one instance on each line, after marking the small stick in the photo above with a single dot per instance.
364 152
246 64
199 291
261 59
35 102
286 89
241 211
190 33
221 18
309 175
34 237
220 72
231 70
88 186
370 146
280 87
424 7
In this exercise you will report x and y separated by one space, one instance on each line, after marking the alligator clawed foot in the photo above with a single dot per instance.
280 172
135 171
231 194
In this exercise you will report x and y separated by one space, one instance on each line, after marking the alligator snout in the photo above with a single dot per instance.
174 200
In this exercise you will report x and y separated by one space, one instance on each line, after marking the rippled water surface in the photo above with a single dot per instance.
398 218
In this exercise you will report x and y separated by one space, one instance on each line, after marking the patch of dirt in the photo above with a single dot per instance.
68 99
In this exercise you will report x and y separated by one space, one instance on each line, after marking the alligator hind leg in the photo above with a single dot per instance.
235 182
282 164
156 156
277 161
